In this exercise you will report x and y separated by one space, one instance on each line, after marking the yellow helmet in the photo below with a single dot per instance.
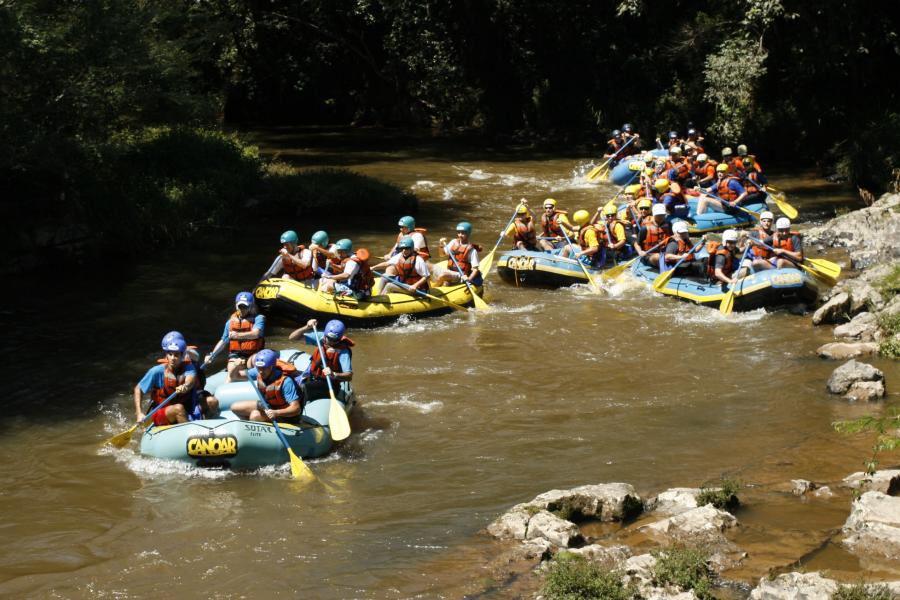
649 172
581 217
721 168
661 185
610 208
633 189
645 203
550 201
522 210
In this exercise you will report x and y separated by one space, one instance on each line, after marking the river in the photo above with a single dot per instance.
460 416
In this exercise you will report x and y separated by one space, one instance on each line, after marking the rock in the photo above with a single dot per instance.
512 524
850 372
609 556
557 531
863 296
873 526
640 567
869 234
845 350
886 481
674 501
702 522
663 594
795 586
823 492
863 327
602 501
531 551
834 311
802 486
892 308
865 391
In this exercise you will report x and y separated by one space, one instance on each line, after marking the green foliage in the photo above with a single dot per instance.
884 427
684 567
732 75
889 286
871 155
862 591
572 577
889 348
723 495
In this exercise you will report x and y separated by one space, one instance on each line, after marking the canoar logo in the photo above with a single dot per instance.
212 445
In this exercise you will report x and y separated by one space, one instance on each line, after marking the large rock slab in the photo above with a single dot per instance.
704 522
609 556
873 526
869 234
845 350
835 310
602 501
851 372
674 501
865 391
512 524
558 532
863 327
795 586
886 481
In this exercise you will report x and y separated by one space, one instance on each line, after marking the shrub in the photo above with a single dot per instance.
861 591
723 496
686 568
572 577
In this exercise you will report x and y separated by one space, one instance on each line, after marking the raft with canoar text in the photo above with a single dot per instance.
231 443
534 268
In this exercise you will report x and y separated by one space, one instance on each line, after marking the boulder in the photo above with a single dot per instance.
849 373
602 501
609 556
845 350
823 492
865 391
640 568
529 551
863 296
558 532
873 526
836 310
886 481
795 586
702 522
869 234
801 487
862 327
674 501
512 524
892 308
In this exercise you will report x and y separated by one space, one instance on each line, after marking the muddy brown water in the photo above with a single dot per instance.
460 416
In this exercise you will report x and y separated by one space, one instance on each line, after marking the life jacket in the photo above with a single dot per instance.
682 169
656 234
335 265
363 281
272 390
737 164
716 248
784 242
724 192
582 235
525 234
766 237
611 227
293 269
424 252
613 145
683 247
244 347
551 226
406 269
171 380
332 358
461 254
751 183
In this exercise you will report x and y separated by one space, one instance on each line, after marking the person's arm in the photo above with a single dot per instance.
564 222
151 380
289 391
346 373
639 241
473 260
590 239
298 333
618 232
305 259
720 275
138 401
258 331
422 271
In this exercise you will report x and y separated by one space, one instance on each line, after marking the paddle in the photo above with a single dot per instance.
484 265
619 269
738 206
596 171
480 304
268 272
789 211
727 304
120 440
665 276
824 269
299 470
584 270
337 418
420 292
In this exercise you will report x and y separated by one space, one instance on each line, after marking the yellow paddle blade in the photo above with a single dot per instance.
727 304
663 279
299 470
337 420
485 264
826 267
617 270
480 303
789 211
120 440
598 172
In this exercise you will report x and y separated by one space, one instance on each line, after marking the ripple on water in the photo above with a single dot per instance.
406 401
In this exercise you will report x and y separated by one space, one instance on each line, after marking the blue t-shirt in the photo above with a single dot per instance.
155 377
735 186
259 322
288 389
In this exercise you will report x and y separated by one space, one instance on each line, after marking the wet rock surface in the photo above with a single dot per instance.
886 481
852 372
845 350
869 234
873 526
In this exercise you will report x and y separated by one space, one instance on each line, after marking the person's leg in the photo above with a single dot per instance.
175 413
209 404
243 409
761 265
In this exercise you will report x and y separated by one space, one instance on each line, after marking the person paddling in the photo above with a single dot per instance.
729 190
350 272
296 260
651 234
466 255
408 228
587 246
615 233
338 359
553 222
788 244
244 333
722 263
763 258
522 229
276 384
408 267
679 247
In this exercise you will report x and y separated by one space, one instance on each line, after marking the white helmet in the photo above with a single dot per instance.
783 223
659 209
729 235
702 157
767 214
680 227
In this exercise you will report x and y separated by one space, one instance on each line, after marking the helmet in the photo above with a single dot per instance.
522 210
742 149
616 133
661 185
692 131
407 222
610 208
550 202
245 298
320 238
766 214
726 151
581 217
645 203
680 227
783 223
633 189
748 162
626 127
174 342
465 227
649 158
335 329
702 157
675 150
289 237
406 242
721 168
265 358
673 135
344 244
649 172
729 235
659 209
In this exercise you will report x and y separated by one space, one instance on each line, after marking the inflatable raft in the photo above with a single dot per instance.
231 443
296 302
762 289
630 167
540 269
719 221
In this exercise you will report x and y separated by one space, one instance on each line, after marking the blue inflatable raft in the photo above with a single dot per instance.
541 269
628 169
232 443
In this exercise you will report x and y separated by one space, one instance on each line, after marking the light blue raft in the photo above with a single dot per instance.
231 443
711 220
531 268
628 169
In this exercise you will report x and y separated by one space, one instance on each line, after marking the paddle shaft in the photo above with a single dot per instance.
616 153
262 400
737 206
322 360
462 276
417 291
584 270
799 263
667 275
503 235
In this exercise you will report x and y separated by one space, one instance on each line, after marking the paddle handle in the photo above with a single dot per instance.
502 235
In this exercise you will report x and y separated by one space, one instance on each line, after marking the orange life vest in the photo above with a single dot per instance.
582 234
424 252
766 237
751 183
683 247
716 248
656 234
406 269
332 358
364 279
682 169
244 347
171 380
551 225
525 234
784 242
723 191
272 390
291 267
461 254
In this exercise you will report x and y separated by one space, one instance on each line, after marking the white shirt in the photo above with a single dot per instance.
421 266
473 253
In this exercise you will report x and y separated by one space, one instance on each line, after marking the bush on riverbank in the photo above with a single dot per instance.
723 496
862 591
685 568
572 577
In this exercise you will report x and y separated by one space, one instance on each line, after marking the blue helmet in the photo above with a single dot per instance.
244 298
406 242
334 329
407 222
290 237
465 227
344 245
174 342
320 238
626 127
616 133
673 135
265 359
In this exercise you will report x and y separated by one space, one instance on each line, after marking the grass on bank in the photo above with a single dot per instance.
889 287
862 591
686 568
572 577
722 496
